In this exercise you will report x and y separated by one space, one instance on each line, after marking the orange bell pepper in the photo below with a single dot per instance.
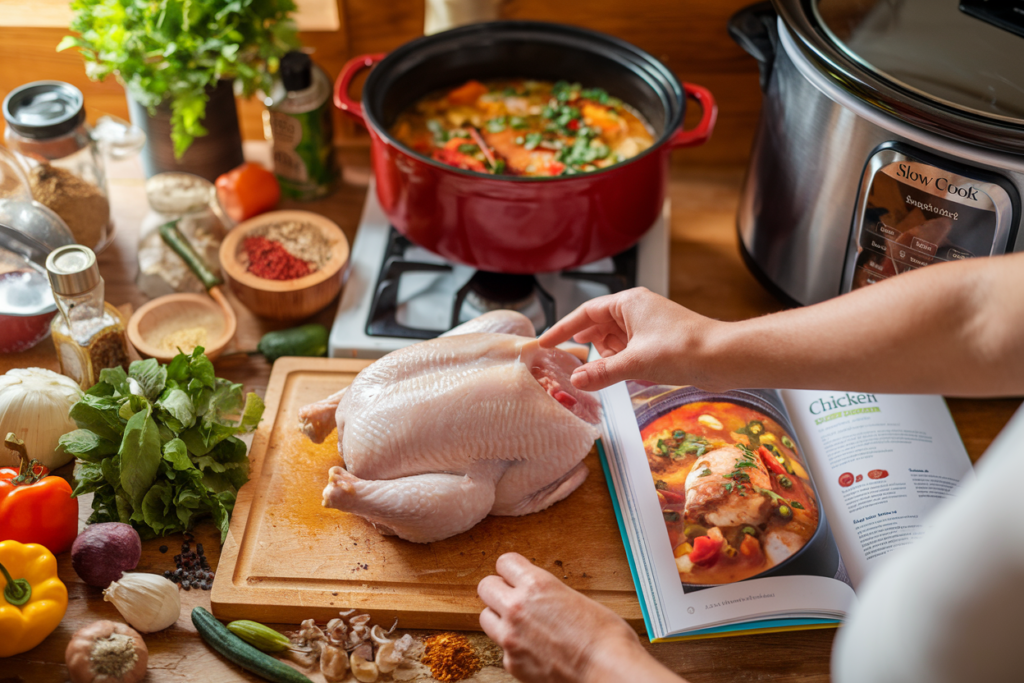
247 191
34 507
32 599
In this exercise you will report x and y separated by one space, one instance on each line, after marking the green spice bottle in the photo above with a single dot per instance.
298 124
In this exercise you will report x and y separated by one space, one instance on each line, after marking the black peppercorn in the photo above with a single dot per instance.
186 584
199 548
163 549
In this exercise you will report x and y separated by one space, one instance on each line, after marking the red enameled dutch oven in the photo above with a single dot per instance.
511 224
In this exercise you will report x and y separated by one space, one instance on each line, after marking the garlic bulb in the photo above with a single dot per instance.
148 602
34 404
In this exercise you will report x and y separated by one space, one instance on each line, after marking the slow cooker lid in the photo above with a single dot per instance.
953 67
970 58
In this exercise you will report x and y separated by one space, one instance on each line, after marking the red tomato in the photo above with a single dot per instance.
770 461
845 479
672 498
878 474
705 551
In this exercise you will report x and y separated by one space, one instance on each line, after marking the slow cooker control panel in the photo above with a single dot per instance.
914 212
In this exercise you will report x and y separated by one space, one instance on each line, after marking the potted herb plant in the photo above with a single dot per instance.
181 62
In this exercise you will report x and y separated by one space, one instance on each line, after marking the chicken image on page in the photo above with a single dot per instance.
438 435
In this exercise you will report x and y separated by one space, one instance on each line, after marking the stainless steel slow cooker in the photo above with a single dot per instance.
891 137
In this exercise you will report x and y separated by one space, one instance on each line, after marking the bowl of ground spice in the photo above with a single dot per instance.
285 265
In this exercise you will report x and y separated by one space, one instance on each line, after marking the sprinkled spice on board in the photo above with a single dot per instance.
271 261
450 657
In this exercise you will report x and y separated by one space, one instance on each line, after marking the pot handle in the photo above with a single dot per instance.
699 134
755 30
348 72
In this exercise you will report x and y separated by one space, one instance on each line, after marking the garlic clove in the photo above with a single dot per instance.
363 667
334 664
148 602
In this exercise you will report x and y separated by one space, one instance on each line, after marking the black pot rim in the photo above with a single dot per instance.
915 108
618 48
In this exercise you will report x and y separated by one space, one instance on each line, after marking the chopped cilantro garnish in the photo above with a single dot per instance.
598 95
532 140
495 125
705 473
518 122
679 434
796 504
468 148
437 129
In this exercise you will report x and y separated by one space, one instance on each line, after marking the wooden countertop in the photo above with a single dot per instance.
707 275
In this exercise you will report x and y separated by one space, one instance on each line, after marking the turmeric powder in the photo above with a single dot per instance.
450 657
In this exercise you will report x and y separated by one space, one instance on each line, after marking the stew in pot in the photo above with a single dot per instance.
523 127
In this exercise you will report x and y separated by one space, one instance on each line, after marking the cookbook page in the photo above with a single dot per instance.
718 509
882 464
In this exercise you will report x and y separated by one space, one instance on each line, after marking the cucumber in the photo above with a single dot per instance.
241 653
306 340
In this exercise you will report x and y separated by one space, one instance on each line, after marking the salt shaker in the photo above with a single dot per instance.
89 334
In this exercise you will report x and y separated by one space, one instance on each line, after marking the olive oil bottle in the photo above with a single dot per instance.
298 124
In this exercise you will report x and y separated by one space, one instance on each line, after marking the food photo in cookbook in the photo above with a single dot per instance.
734 490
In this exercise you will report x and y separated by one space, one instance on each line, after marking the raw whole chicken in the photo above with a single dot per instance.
439 434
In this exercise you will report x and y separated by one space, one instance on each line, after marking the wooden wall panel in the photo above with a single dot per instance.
688 35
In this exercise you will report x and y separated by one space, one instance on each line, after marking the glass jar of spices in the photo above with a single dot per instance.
65 157
191 201
89 334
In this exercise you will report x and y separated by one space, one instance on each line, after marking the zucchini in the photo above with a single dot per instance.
305 340
241 653
259 636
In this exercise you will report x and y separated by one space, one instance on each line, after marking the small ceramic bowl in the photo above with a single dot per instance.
285 299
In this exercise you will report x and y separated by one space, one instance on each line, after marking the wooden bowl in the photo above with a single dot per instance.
285 299
166 314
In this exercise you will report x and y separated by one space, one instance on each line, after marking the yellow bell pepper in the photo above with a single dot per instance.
32 599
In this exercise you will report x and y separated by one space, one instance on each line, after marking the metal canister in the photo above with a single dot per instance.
298 124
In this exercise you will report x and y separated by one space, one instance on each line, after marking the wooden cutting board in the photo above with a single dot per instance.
287 558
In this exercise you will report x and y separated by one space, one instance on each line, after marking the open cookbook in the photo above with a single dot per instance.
760 510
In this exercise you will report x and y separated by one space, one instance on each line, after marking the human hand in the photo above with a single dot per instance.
551 633
639 335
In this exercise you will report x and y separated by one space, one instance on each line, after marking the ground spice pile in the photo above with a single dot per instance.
78 202
271 261
450 657
302 240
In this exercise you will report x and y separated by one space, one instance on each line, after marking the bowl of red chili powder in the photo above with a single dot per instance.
285 264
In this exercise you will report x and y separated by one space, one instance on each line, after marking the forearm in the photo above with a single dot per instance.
627 661
952 328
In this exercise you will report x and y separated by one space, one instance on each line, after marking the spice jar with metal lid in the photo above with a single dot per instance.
66 158
89 335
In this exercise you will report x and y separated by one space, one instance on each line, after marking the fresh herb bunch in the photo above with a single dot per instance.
176 49
155 447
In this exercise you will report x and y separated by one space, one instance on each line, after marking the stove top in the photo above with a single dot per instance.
398 293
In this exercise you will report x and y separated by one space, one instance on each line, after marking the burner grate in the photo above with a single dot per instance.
485 290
